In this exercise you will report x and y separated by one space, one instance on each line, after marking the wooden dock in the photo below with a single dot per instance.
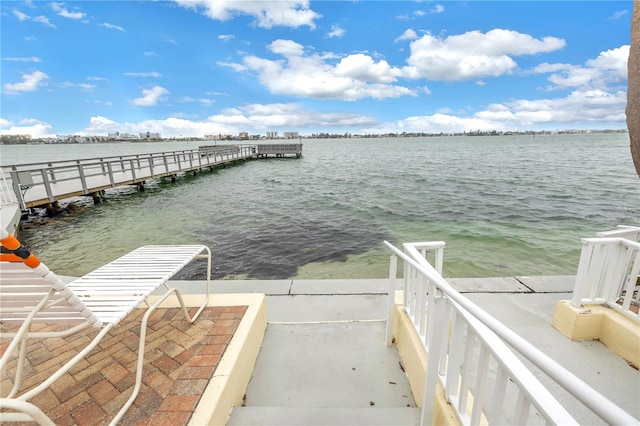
44 184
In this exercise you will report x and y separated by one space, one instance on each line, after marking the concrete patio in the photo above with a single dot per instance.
323 360
317 367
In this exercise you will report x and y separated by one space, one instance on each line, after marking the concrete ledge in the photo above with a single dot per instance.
414 359
227 387
617 331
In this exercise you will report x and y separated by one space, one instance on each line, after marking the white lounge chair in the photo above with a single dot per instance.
30 292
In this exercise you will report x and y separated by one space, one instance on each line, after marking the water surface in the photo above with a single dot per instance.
508 205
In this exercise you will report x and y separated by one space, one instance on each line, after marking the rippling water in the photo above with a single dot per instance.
509 205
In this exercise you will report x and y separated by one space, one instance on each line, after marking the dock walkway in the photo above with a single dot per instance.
44 184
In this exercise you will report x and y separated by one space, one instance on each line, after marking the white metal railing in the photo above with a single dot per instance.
52 180
218 149
624 231
7 196
281 148
467 351
608 273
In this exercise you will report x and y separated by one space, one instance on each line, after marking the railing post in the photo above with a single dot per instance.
110 170
439 259
581 275
433 356
51 173
83 179
47 185
391 303
133 170
150 160
15 183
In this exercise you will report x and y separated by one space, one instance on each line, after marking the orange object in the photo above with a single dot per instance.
10 242
32 261
10 257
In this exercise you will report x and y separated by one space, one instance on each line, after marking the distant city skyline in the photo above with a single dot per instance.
201 67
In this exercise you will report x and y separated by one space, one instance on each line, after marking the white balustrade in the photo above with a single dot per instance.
608 273
53 180
469 354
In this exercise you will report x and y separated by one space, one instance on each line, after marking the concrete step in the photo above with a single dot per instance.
335 364
303 416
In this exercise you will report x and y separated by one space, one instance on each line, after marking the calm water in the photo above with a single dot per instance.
511 205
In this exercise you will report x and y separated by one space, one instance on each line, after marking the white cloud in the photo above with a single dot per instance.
473 54
311 75
23 59
234 66
253 118
30 83
44 21
21 16
151 97
203 101
438 8
362 67
111 26
590 107
35 128
292 13
64 12
619 14
336 32
39 19
226 37
143 74
614 61
409 34
609 68
84 86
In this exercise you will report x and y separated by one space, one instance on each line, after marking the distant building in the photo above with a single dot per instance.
149 135
291 135
272 135
243 135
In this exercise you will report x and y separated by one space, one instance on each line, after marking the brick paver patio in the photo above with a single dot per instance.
180 358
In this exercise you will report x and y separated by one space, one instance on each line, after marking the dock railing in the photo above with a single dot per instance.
608 273
482 379
49 181
7 196
280 149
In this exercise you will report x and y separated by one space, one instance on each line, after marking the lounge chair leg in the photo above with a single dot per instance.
27 412
22 355
140 363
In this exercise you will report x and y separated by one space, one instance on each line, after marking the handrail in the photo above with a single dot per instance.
624 231
597 403
608 272
60 179
106 158
7 196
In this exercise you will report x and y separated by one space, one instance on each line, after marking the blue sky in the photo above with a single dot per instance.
197 67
